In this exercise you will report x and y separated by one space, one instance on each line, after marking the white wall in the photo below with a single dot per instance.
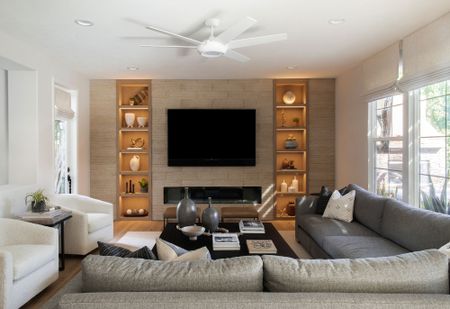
426 50
3 130
50 71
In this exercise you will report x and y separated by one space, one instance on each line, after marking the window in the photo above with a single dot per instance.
386 146
432 151
63 141
409 147
3 129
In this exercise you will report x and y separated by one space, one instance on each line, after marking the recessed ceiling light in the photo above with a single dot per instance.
132 68
336 21
291 67
84 23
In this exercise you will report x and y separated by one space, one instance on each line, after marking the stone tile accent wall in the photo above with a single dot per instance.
321 133
103 140
257 94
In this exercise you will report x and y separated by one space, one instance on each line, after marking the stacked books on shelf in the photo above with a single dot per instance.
46 217
251 227
226 242
261 246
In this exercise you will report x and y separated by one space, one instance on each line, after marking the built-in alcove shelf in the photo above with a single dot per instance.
133 96
290 123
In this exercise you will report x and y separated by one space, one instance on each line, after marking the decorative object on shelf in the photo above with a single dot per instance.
285 164
144 185
192 231
283 119
284 187
131 101
291 189
142 122
38 200
141 96
291 165
294 184
129 187
296 121
288 97
129 119
136 213
290 142
126 187
290 209
210 217
186 210
135 163
137 143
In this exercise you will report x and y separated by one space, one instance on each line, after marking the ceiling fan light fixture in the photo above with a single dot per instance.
212 49
84 22
336 21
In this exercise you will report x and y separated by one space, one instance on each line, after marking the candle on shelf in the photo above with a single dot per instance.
294 184
284 187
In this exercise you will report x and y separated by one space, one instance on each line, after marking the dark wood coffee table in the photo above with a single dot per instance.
173 235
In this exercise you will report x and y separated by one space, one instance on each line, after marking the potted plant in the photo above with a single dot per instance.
296 120
38 201
144 185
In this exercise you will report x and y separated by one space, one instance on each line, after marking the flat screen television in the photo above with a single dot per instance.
211 137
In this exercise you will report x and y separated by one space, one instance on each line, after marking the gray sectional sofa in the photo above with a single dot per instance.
381 227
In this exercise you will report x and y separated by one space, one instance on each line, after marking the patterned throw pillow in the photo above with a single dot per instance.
170 252
324 197
340 207
112 250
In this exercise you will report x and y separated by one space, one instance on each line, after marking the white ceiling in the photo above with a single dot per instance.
317 48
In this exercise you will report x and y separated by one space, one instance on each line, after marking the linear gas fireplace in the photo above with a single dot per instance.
219 195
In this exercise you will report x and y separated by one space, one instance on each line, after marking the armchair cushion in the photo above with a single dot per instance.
96 221
28 258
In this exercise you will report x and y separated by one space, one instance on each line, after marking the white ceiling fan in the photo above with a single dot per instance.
224 44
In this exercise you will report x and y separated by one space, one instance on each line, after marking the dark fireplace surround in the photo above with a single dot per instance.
219 195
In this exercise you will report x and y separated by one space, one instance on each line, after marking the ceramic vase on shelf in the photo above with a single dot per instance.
284 187
135 163
294 184
142 122
129 119
186 210
210 217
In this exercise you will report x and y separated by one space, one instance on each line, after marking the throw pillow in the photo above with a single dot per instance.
170 252
324 197
445 249
340 207
106 249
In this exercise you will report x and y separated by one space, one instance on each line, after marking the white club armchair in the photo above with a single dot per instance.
92 221
28 261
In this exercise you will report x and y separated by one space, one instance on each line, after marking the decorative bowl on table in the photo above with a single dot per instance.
193 231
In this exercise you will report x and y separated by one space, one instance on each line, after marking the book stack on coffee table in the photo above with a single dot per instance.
225 242
251 227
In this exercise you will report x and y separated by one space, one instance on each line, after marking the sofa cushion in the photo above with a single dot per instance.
360 247
368 208
111 274
97 221
28 258
340 207
415 272
414 228
318 228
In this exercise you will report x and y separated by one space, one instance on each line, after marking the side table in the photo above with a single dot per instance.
55 220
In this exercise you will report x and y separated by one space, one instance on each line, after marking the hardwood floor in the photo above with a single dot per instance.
73 263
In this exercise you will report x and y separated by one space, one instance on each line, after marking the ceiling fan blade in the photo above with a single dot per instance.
235 30
236 56
175 35
257 40
167 46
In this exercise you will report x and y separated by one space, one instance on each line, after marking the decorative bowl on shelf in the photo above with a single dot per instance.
192 231
288 97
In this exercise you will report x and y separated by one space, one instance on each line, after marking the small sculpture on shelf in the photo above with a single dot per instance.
142 122
129 119
136 143
290 209
135 163
290 142
291 165
136 212
296 121
283 119
129 187
285 164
